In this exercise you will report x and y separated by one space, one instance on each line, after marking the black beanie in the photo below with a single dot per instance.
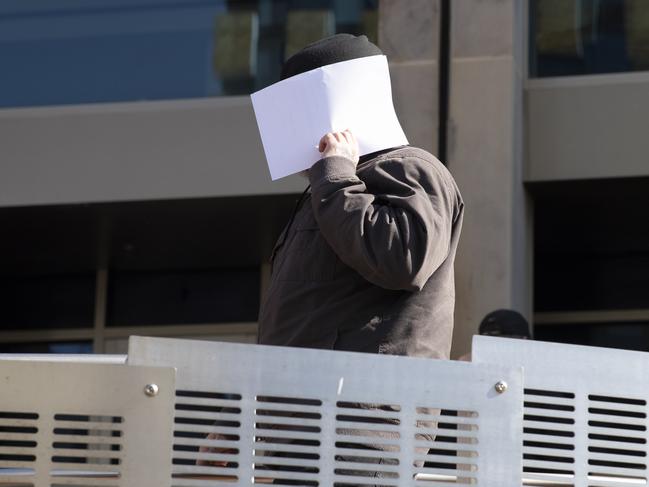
330 50
506 323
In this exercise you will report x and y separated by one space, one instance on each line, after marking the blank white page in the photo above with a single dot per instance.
293 114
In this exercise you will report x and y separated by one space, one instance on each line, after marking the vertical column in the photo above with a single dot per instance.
264 285
101 297
493 267
101 286
409 37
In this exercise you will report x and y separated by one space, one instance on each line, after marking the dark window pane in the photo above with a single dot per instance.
592 281
117 50
57 301
591 245
628 336
47 347
588 37
183 297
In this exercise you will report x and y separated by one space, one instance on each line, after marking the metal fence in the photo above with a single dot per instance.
84 424
250 415
585 411
244 415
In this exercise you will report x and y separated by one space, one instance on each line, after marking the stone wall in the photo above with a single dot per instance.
493 267
409 36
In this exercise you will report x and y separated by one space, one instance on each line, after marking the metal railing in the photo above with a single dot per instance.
255 414
522 413
585 411
84 424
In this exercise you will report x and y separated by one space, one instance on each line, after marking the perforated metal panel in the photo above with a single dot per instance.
89 425
585 421
249 414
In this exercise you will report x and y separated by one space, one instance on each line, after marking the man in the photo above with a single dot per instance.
366 261
506 323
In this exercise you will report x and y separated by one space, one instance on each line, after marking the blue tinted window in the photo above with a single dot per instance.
89 51
576 37
47 347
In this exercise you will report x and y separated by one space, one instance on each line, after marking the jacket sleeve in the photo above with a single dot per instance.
396 234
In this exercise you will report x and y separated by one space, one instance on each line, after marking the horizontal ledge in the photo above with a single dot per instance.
594 316
603 79
203 103
213 329
178 330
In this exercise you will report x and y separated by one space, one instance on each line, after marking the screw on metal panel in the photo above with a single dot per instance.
501 386
151 390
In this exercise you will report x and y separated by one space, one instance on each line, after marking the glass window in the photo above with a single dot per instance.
51 301
591 245
627 336
88 51
575 37
47 347
183 297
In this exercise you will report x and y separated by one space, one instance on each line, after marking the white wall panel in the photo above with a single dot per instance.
134 151
588 127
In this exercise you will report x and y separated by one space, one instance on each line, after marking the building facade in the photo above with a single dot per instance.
134 196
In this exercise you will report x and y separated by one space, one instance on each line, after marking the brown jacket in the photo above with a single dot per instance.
366 264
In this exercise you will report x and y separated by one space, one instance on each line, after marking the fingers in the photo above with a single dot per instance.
352 143
349 137
327 140
339 144
345 136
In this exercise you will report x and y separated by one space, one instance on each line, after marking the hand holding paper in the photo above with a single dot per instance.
354 95
343 144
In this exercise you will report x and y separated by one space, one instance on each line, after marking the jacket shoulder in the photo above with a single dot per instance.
421 162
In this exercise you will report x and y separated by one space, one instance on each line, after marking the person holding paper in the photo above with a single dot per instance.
366 261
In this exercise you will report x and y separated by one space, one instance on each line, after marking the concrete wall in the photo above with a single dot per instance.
191 148
588 127
493 267
133 151
409 36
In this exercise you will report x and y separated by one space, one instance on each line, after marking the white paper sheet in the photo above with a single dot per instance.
295 113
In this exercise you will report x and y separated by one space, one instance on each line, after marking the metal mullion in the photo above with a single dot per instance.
101 298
